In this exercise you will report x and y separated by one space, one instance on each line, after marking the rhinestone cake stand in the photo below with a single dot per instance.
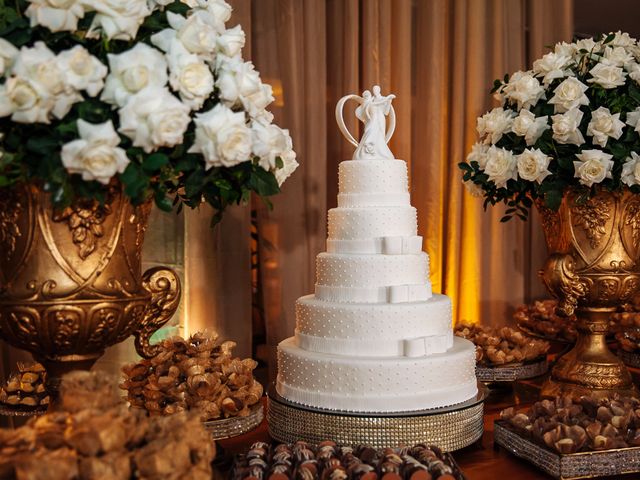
450 428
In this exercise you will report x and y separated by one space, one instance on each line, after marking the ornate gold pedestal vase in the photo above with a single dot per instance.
593 267
71 282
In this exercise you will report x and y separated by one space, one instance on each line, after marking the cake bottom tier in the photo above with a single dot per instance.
376 384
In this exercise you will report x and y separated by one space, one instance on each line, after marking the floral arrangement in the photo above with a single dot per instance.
572 122
153 94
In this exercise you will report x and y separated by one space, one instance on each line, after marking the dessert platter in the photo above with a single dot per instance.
504 354
328 460
570 438
24 393
627 335
374 359
198 374
540 320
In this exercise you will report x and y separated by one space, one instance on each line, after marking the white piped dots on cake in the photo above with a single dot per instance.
334 269
372 222
373 176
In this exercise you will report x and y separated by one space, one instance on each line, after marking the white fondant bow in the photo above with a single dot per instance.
409 293
401 245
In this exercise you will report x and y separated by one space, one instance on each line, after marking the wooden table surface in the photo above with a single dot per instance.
480 461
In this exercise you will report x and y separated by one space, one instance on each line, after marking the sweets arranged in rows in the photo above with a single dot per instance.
302 461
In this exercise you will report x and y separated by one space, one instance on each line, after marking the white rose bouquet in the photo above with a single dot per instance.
151 94
572 122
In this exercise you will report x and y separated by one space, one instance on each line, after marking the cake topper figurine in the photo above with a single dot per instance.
372 111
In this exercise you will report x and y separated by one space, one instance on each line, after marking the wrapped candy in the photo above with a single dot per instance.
94 435
540 317
502 345
26 388
569 426
194 374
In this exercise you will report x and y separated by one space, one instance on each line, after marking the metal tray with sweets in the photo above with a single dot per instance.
235 426
612 462
531 333
510 373
630 359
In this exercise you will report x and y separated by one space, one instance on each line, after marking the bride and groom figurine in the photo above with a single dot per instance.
372 110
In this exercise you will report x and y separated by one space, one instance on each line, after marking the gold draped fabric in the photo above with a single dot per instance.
440 58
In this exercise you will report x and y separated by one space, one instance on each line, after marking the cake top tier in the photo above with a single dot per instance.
372 110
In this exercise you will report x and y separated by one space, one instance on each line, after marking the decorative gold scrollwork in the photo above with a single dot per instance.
164 286
560 278
592 217
85 221
10 211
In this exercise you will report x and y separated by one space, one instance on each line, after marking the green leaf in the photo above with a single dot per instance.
279 162
553 199
154 162
162 201
263 183
42 145
609 38
194 183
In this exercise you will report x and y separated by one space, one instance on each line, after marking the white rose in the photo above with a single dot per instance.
83 71
633 119
24 101
552 66
239 82
594 166
189 76
215 12
56 15
154 118
492 125
117 19
604 125
528 126
195 34
231 41
617 56
524 89
222 137
565 49
622 39
607 76
269 142
478 154
96 155
156 4
634 71
8 53
473 189
41 66
132 71
569 94
631 170
289 165
565 127
533 165
587 44
501 166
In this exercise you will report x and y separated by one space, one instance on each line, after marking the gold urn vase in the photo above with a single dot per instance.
71 281
593 268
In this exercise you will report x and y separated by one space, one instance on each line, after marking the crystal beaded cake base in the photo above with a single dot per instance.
450 428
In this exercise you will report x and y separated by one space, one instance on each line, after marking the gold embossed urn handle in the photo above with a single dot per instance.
560 278
164 285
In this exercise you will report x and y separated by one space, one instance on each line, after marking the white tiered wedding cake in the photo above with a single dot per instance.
374 338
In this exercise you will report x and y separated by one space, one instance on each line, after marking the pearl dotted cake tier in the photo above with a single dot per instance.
373 176
373 199
376 384
372 278
404 329
370 222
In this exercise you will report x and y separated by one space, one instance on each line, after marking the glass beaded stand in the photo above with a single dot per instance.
235 426
450 428
512 373
571 466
